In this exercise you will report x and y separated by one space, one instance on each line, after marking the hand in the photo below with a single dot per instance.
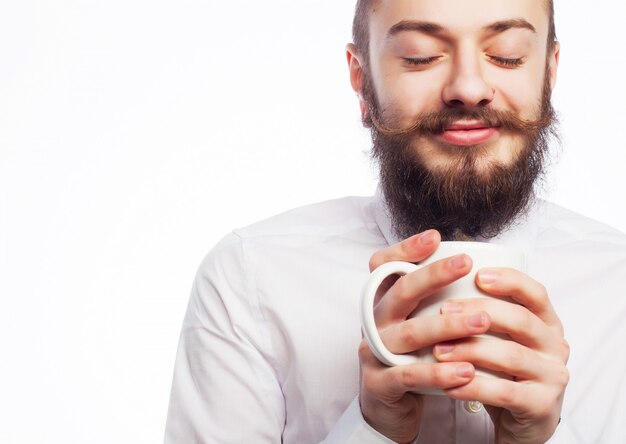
387 400
526 409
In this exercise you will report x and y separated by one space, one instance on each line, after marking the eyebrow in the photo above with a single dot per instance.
505 25
436 29
413 25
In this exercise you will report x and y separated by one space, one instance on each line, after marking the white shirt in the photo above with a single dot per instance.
268 349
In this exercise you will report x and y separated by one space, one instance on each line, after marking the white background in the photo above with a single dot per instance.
135 133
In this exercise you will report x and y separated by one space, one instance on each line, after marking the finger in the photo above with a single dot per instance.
367 357
496 354
417 333
394 382
529 399
406 293
412 249
516 321
522 288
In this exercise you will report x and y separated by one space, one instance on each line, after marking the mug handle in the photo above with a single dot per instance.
368 322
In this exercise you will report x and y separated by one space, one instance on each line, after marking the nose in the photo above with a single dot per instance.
466 86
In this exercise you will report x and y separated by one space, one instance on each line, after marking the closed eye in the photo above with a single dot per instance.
421 61
507 62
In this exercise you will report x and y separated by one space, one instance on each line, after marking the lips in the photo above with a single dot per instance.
468 133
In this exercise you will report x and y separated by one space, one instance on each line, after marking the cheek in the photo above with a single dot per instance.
406 95
520 92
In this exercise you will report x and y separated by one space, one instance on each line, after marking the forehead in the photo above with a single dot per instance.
458 17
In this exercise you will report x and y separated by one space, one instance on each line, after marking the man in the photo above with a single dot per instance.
457 96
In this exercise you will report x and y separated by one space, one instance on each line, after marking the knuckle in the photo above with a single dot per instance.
407 376
516 357
376 260
510 397
528 322
543 291
542 294
403 291
565 349
408 335
401 288
397 251
438 376
368 382
364 351
525 320
407 245
452 324
543 409
435 272
562 377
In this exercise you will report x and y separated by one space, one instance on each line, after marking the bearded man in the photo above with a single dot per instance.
457 96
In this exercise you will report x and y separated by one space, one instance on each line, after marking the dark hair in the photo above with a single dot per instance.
361 34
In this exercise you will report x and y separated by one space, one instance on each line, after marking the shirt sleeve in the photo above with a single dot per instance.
353 429
224 388
563 435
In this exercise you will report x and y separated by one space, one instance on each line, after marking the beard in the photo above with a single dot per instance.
460 200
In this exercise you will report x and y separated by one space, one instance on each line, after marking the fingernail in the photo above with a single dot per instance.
487 277
464 370
443 349
458 261
477 320
427 238
451 307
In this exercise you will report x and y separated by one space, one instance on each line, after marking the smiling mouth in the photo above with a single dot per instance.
468 133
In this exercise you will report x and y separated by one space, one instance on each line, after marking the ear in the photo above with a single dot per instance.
553 60
356 75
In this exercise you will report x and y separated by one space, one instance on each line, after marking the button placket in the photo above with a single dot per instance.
473 406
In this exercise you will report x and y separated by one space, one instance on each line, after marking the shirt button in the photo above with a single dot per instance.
473 406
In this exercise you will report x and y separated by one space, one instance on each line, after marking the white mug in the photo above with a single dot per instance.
483 255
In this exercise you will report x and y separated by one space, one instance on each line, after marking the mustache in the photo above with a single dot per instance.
436 122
